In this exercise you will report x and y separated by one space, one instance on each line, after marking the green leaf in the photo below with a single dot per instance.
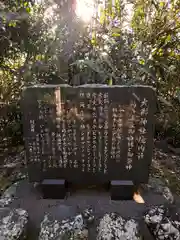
134 46
102 16
110 82
116 35
142 61
28 10
25 4
161 4
116 30
38 57
12 24
168 39
154 51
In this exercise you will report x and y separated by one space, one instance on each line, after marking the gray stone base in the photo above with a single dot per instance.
30 198
113 226
163 222
13 223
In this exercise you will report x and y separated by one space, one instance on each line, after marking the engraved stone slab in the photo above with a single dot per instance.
89 133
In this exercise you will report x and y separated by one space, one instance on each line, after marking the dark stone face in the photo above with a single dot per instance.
89 133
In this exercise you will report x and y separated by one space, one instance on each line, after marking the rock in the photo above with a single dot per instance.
10 165
88 215
162 223
163 159
168 194
174 150
114 227
157 186
162 145
13 224
71 228
8 195
17 159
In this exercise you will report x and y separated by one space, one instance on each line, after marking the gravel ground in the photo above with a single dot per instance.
164 166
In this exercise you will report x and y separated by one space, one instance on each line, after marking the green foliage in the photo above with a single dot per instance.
38 46
157 31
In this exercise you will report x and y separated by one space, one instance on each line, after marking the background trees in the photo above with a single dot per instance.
126 42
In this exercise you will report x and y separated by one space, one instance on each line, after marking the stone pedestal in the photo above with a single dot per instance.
53 188
122 190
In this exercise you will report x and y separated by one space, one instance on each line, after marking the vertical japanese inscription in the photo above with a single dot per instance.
100 131
47 144
142 130
114 132
82 129
69 137
31 142
106 129
131 131
37 148
32 125
64 139
58 127
119 125
94 131
53 145
61 126
52 136
74 144
42 118
88 136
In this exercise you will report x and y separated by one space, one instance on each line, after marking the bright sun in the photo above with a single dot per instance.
85 9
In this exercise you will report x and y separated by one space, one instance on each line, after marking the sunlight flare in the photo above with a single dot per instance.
84 10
